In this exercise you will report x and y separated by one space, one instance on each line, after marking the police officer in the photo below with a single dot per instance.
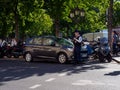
77 47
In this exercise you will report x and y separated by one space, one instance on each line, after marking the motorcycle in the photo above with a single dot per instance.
84 51
104 51
17 51
4 49
94 50
7 50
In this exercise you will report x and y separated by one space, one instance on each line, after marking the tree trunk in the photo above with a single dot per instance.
16 21
4 28
110 21
57 33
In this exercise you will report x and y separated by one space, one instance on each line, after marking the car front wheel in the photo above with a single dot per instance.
28 57
62 58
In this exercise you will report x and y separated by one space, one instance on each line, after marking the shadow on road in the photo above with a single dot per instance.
115 73
19 69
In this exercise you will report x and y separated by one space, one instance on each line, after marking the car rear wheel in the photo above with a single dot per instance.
62 58
28 57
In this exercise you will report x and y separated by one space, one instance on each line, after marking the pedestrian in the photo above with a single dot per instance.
13 42
115 41
77 40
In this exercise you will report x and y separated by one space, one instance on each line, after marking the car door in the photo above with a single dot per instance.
37 47
49 48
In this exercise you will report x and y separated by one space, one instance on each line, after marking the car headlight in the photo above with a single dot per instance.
70 49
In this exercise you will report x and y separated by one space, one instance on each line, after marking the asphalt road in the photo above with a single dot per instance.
20 75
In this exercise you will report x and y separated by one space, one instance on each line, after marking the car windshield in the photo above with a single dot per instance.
64 42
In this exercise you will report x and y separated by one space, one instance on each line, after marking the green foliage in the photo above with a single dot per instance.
37 17
31 17
116 14
94 14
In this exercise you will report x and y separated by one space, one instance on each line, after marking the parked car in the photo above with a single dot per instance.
48 47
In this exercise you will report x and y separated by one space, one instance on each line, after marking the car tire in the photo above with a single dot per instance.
62 58
28 57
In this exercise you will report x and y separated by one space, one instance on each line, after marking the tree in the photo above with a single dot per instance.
23 16
37 17
116 14
6 18
56 8
34 20
110 22
94 13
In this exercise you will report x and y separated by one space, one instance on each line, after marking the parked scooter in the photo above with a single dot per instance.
94 48
7 50
18 50
4 49
84 51
104 51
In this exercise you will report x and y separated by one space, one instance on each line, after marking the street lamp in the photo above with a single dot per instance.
77 14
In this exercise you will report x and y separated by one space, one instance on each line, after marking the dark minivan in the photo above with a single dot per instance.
49 47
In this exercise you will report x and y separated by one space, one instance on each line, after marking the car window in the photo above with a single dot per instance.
30 41
48 41
38 41
65 42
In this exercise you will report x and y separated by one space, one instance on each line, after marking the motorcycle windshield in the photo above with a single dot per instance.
104 40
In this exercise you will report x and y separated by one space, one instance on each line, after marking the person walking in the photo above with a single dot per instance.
77 40
115 41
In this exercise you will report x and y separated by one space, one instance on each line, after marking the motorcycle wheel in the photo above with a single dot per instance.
118 53
1 55
109 58
101 58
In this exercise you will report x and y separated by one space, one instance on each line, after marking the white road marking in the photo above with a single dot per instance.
62 74
35 86
50 79
87 82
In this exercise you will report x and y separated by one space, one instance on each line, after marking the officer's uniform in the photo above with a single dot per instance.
77 49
